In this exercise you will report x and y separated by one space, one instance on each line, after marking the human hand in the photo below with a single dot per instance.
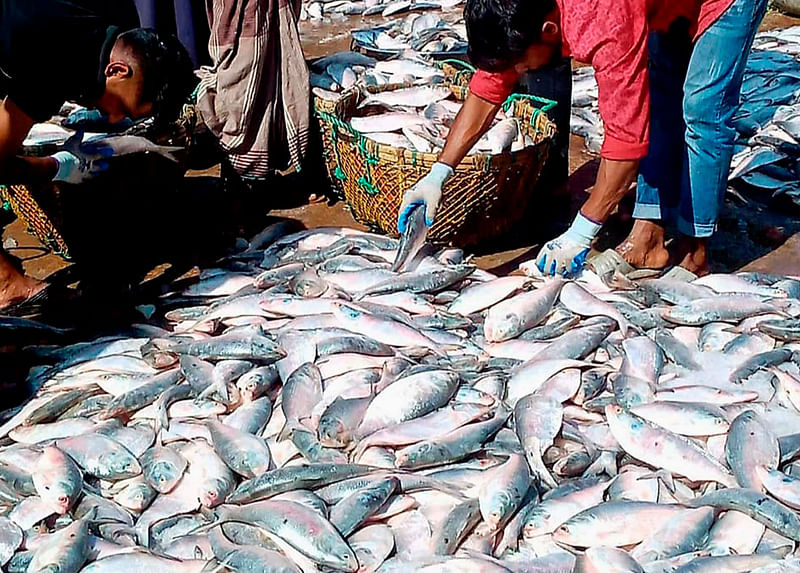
80 162
427 192
94 120
566 254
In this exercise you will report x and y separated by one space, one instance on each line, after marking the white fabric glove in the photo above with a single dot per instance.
80 162
566 254
427 192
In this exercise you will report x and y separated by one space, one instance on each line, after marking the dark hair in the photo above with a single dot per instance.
166 68
501 31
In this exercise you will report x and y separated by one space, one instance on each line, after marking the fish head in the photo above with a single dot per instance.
163 475
249 384
121 464
565 533
499 506
337 552
213 492
267 348
332 432
58 496
536 522
134 498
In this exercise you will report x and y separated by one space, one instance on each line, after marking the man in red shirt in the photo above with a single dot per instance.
669 73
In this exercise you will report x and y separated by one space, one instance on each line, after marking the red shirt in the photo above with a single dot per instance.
611 35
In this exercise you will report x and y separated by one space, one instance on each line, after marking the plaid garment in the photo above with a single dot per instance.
255 97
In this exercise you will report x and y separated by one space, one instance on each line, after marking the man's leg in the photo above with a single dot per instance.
711 96
658 184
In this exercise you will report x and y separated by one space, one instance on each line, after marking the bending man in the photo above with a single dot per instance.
669 73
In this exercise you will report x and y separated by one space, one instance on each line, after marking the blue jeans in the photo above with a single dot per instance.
694 92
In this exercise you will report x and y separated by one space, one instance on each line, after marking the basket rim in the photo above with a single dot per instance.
477 160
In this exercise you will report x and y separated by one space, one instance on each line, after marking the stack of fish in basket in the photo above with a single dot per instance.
385 129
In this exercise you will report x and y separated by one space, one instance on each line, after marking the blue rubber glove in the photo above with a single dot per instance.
80 162
94 120
427 192
566 254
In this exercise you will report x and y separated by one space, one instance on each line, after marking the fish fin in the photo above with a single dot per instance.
214 566
664 477
710 487
288 427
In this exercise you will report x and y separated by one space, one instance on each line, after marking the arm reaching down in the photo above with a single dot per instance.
566 254
14 127
472 121
614 178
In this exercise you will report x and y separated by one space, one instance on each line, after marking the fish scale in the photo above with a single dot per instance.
270 427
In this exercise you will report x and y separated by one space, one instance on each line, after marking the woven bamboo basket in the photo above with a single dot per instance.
20 200
485 197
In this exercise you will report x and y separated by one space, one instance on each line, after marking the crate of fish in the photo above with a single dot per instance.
372 158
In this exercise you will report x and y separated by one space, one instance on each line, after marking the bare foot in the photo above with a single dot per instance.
644 247
15 292
693 255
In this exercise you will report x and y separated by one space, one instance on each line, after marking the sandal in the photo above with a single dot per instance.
678 273
610 261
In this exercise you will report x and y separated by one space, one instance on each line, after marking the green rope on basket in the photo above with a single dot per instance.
362 147
361 143
338 173
366 183
513 98
468 69
195 92
548 103
6 206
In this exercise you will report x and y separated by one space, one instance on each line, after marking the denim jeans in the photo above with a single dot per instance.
694 92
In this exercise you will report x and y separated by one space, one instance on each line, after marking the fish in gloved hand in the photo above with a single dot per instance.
427 192
81 161
95 120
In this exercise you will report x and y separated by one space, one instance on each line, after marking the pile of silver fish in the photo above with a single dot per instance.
414 110
334 400
767 122
424 33
342 71
419 119
316 10
585 120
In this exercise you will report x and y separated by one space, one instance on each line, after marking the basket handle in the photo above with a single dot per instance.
548 104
